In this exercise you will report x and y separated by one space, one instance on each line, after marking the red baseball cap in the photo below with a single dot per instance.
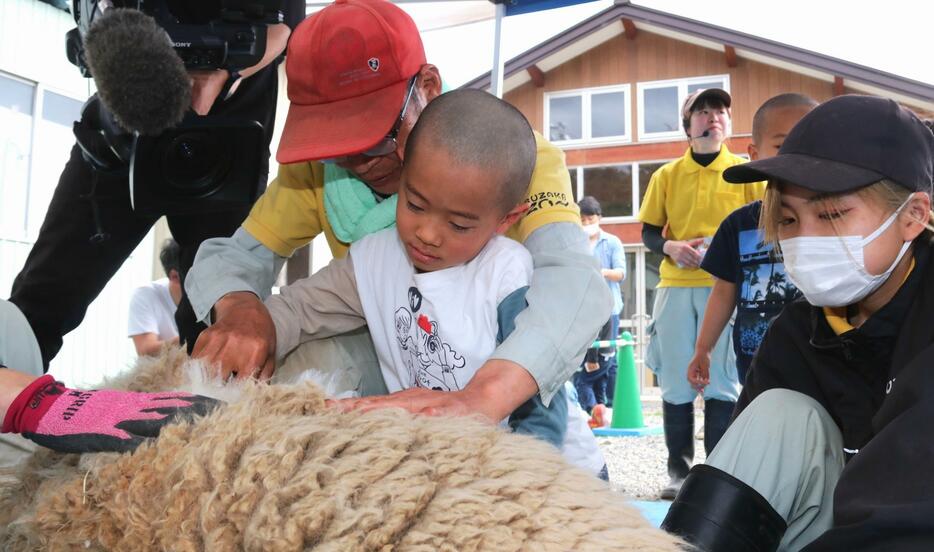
348 68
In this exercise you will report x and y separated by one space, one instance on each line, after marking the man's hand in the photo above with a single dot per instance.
70 420
699 370
498 388
241 341
684 253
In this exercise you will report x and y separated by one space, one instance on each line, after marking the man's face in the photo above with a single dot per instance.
446 213
776 126
382 173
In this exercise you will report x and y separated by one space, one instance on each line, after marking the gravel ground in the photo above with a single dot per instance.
637 464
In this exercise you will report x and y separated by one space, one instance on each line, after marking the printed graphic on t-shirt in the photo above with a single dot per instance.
765 289
431 363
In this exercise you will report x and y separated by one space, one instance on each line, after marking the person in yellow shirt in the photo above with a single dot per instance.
358 80
690 197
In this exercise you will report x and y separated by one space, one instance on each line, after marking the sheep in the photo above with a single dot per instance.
278 469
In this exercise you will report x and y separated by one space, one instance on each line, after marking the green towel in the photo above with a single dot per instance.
352 208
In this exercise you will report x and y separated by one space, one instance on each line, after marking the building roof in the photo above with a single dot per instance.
613 21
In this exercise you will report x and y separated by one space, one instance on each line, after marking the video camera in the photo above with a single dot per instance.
203 164
206 34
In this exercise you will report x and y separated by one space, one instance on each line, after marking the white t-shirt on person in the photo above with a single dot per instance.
153 311
435 329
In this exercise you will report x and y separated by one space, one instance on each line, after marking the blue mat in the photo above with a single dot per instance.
654 511
636 432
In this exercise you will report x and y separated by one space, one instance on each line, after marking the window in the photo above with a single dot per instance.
619 188
16 108
595 115
33 151
660 104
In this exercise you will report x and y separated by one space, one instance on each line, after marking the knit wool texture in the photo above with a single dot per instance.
275 469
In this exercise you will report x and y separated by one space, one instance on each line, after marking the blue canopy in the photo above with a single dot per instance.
516 7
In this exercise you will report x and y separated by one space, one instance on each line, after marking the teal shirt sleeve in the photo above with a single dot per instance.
548 423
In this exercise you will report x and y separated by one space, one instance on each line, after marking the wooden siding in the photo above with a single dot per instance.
652 57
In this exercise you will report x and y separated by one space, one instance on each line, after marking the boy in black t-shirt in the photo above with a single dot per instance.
750 276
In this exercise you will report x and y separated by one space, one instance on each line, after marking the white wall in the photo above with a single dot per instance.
35 140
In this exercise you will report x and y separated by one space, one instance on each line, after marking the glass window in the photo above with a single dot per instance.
700 85
660 109
564 118
646 170
608 114
16 109
628 287
573 172
612 186
653 261
58 114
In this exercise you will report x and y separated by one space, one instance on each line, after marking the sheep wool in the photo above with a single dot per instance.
276 469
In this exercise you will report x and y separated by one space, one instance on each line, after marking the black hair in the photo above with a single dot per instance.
170 255
478 129
781 101
590 206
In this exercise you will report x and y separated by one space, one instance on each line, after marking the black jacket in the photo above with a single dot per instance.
877 382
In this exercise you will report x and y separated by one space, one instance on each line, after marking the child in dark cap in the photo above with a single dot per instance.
832 443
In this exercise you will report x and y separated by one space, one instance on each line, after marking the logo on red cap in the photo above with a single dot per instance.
373 63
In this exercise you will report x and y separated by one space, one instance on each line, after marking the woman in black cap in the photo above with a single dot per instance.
832 443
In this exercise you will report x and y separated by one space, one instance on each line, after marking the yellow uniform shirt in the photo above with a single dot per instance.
693 200
291 211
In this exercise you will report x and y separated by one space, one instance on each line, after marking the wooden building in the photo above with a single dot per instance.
608 92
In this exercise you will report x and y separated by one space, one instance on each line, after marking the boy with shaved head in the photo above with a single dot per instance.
750 276
441 289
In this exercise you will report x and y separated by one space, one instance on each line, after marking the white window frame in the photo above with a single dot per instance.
38 101
682 85
586 127
636 200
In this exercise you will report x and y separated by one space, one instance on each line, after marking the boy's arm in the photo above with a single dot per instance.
548 423
720 306
322 305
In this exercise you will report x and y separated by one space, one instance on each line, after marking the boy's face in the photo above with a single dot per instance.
777 124
447 213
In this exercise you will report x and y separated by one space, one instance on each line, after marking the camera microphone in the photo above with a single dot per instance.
139 77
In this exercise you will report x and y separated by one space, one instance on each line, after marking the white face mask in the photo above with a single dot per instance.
831 271
591 229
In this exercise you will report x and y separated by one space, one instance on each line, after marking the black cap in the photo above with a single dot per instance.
848 143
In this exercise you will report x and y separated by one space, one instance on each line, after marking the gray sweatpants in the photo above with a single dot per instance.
787 447
19 349
343 365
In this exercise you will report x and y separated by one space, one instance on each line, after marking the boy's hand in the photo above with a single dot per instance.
71 420
684 253
241 341
426 402
699 370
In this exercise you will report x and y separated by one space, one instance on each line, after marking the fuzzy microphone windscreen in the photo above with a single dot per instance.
139 77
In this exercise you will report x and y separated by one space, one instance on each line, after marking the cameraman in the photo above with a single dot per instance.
91 228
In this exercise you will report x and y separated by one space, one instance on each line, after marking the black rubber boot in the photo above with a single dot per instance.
717 416
679 438
718 513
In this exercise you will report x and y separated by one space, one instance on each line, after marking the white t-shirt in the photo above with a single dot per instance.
153 311
434 329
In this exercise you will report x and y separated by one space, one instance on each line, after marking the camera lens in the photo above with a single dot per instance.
195 162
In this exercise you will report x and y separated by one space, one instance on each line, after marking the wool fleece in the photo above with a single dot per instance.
276 469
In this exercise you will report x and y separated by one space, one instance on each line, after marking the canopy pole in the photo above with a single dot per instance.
496 75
